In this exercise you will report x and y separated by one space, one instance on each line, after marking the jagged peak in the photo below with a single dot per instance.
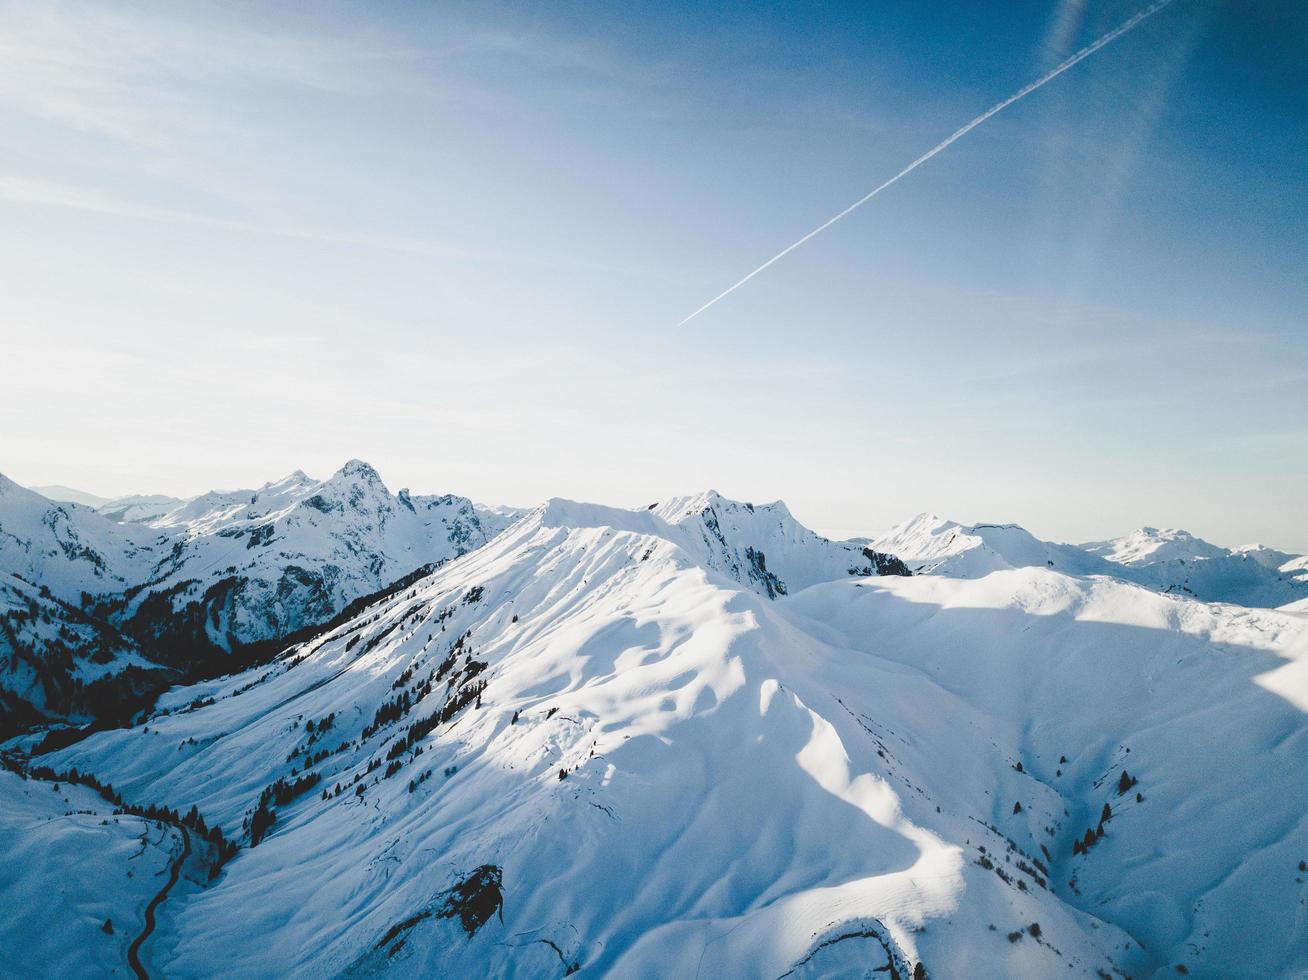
677 509
927 517
358 470
298 476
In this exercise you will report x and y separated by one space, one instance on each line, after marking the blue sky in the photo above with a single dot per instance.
457 241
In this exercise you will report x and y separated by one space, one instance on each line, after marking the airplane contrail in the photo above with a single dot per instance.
1087 51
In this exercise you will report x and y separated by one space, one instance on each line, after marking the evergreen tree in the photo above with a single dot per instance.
264 817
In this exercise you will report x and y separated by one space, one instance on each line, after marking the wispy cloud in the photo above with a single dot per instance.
44 193
48 193
128 76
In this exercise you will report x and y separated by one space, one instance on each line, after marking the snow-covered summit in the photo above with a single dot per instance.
762 545
1150 544
258 564
932 545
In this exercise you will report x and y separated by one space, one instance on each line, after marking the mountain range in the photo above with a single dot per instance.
1168 561
691 738
95 611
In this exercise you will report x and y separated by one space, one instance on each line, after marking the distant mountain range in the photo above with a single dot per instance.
1165 560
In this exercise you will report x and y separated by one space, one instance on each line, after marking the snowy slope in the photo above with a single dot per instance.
581 745
58 661
68 548
1282 561
70 865
56 656
1205 706
1236 578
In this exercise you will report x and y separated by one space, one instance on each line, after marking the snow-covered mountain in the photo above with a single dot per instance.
1150 544
57 654
135 508
85 596
139 508
764 547
1177 561
69 549
592 745
238 572
930 545
1167 561
252 565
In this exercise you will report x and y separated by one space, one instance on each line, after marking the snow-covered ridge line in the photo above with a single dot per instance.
238 571
760 546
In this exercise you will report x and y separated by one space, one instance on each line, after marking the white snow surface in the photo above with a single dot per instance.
805 787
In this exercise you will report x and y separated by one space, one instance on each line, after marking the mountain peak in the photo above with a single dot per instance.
678 509
1152 544
357 469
